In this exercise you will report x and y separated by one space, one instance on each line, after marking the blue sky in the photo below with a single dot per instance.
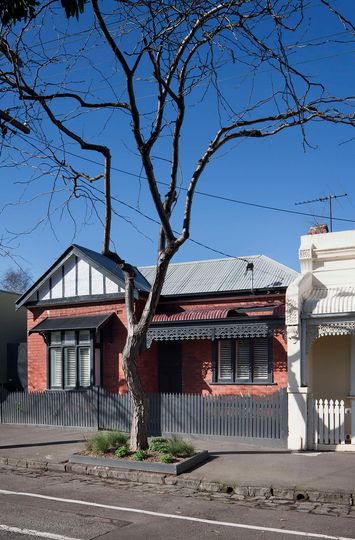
275 172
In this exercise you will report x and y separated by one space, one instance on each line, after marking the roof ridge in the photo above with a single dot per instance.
241 258
279 264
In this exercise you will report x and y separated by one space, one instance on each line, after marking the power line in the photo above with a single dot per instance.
146 216
109 24
204 193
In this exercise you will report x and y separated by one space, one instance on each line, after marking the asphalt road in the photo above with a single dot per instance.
63 507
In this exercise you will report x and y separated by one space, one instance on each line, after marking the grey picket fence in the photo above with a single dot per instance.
231 416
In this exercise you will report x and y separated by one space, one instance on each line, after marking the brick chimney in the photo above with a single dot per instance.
319 229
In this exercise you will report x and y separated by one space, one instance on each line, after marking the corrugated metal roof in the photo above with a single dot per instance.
222 312
195 315
223 275
86 322
327 301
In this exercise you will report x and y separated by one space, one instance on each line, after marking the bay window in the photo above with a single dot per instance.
70 359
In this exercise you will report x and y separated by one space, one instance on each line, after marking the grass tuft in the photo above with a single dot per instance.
105 441
180 448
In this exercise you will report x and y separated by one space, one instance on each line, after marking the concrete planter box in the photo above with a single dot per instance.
144 466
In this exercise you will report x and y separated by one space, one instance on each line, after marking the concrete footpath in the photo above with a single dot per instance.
238 468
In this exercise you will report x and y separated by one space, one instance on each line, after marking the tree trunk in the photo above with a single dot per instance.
140 417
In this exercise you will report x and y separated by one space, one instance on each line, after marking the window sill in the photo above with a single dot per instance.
246 383
80 389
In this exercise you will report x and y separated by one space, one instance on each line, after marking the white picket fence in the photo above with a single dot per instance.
327 422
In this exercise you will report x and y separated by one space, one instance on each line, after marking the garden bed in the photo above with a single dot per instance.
180 466
110 449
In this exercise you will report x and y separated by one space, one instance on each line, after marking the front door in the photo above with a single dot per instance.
170 367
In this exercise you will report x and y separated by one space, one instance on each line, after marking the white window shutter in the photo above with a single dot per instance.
56 368
261 359
225 371
70 367
84 366
242 357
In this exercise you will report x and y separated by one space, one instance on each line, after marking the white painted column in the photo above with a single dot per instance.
352 388
297 395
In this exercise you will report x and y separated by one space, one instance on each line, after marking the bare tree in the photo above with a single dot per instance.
16 280
184 49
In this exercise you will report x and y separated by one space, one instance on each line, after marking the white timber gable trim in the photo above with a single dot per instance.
75 277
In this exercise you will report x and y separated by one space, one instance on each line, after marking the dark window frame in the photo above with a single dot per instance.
77 346
234 380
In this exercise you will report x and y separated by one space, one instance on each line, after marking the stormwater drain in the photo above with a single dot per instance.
301 496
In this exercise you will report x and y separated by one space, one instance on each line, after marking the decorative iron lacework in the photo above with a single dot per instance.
329 329
225 331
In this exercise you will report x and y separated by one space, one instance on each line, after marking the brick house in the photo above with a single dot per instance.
219 326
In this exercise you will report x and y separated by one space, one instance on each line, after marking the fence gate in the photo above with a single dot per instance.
328 423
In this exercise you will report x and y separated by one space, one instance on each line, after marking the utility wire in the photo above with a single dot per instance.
113 23
146 216
202 193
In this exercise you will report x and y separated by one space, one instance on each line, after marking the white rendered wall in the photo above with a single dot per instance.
330 257
75 278
327 261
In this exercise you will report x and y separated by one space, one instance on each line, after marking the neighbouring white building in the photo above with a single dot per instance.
320 319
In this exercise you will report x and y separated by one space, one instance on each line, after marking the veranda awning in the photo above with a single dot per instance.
328 301
86 322
210 331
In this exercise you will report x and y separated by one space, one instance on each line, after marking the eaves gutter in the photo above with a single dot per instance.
215 295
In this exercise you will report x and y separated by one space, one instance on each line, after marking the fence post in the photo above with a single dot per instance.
283 413
98 408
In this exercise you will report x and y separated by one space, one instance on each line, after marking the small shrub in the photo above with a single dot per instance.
104 441
166 458
122 452
116 438
140 455
180 448
159 444
98 443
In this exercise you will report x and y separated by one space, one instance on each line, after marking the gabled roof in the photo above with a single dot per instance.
103 264
115 273
223 276
187 278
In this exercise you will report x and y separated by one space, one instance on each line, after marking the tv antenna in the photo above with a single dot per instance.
328 198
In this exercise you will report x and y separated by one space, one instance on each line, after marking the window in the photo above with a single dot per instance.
243 361
70 355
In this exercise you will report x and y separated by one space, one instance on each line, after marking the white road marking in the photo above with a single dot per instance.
178 517
37 534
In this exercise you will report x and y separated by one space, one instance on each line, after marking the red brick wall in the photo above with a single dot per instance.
196 361
197 370
112 376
